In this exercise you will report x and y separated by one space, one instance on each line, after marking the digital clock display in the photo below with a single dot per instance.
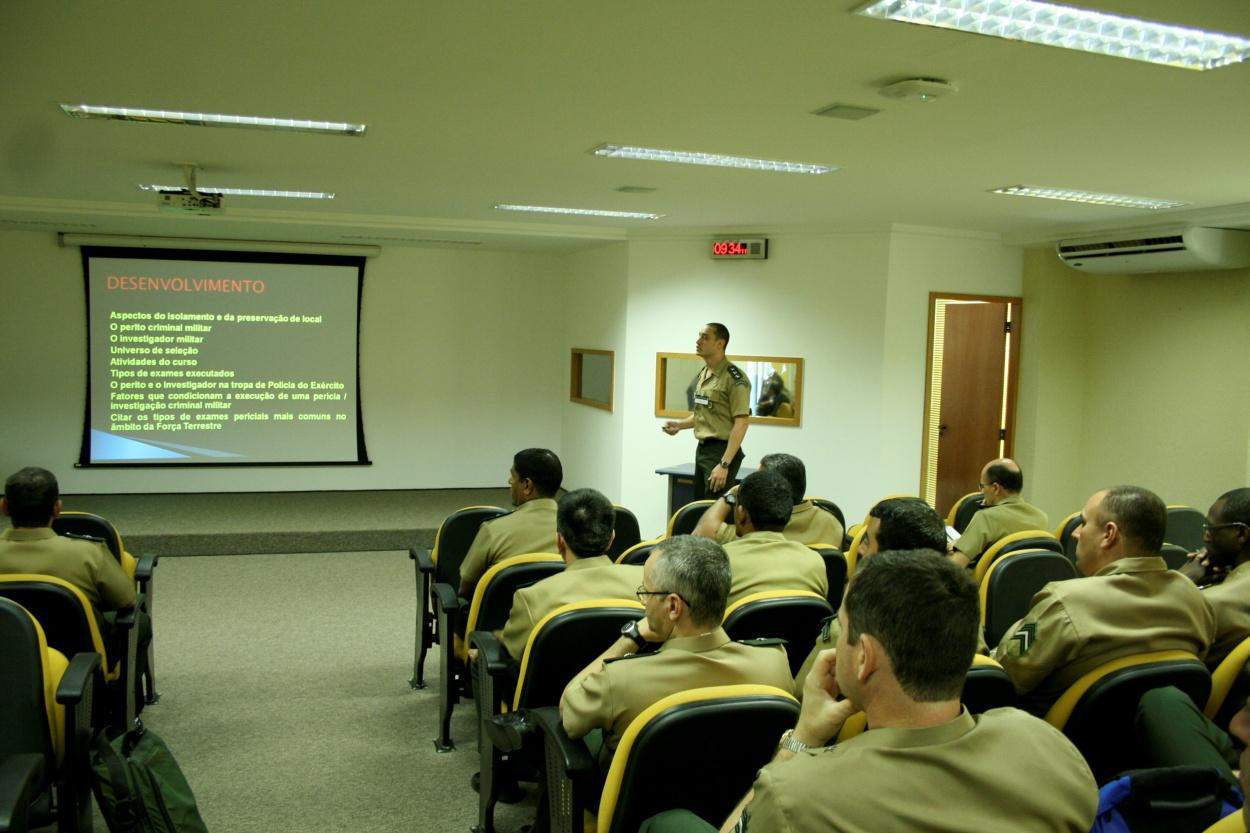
754 248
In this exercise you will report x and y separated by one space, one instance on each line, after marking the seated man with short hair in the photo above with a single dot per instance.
1004 512
533 481
685 588
909 625
31 500
1221 569
808 524
762 558
1128 602
584 522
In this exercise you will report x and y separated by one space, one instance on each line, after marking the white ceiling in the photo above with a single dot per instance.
471 103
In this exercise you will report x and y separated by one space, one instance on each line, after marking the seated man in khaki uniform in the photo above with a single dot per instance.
584 522
685 586
808 524
909 625
1004 513
31 500
1128 603
897 523
533 481
762 558
1221 570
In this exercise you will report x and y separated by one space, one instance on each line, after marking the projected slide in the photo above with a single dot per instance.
221 358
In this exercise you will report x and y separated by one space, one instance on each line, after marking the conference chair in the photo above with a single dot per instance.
638 553
987 686
441 563
488 611
1174 555
1011 582
833 509
73 626
962 510
140 568
1232 823
790 615
562 643
685 519
697 750
835 571
1028 539
1185 527
851 553
1064 533
626 528
45 727
1228 685
1097 712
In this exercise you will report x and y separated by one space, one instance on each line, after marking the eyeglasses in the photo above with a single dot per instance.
1207 529
642 591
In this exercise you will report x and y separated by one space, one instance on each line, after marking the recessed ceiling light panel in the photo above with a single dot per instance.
581 212
139 114
1088 197
1051 24
244 192
718 160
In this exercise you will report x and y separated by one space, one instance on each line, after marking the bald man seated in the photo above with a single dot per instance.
1004 512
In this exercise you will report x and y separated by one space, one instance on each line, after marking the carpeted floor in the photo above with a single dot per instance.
284 695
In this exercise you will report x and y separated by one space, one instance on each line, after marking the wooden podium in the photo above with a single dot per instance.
681 484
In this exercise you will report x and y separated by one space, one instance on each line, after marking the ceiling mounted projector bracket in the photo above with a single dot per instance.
919 89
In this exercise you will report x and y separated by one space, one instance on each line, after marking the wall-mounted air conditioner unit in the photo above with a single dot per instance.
1167 249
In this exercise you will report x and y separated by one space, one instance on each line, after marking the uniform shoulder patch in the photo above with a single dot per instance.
762 642
93 539
826 627
739 377
628 656
1024 637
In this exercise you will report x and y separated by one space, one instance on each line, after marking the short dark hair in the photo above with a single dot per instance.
585 519
696 569
924 611
792 469
1007 475
541 466
720 331
908 523
765 495
32 494
1235 506
1139 513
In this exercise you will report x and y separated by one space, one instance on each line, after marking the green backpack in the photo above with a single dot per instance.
139 787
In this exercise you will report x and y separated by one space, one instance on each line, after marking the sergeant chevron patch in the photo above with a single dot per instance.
1024 636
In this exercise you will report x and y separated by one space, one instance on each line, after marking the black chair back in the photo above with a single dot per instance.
788 615
734 736
455 536
835 572
24 725
67 624
988 687
1185 527
627 533
566 644
1008 588
833 509
968 506
498 588
1065 536
685 519
92 526
1175 555
637 555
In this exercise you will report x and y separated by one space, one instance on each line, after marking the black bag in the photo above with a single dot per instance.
139 787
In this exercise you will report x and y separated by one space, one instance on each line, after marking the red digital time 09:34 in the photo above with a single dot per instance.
730 247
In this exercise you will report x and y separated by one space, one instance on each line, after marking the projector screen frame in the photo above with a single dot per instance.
219 256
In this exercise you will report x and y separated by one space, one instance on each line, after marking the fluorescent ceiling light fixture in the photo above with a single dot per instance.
95 111
243 192
1090 197
583 212
718 160
1051 24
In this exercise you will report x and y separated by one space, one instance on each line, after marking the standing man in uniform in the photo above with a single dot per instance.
1005 512
722 406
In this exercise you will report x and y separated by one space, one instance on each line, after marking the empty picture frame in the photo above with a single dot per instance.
592 377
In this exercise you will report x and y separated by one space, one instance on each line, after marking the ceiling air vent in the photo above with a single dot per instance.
847 112
1180 249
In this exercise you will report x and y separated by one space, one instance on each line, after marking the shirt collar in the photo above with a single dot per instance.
1135 564
697 644
536 503
763 535
718 368
802 508
892 738
1010 499
588 563
38 533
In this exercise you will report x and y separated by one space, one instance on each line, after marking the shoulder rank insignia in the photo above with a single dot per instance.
826 626
738 376
762 642
643 653
1024 637
93 539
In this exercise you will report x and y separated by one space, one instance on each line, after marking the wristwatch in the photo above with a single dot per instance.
730 498
723 464
789 743
630 629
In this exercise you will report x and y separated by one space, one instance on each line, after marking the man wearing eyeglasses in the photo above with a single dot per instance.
678 644
1003 512
1221 568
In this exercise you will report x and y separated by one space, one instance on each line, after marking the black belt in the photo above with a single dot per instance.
711 440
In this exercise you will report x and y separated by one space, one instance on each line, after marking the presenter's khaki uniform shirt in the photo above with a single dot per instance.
1132 606
1003 770
87 565
763 561
720 394
582 580
996 522
1230 599
531 527
809 524
610 697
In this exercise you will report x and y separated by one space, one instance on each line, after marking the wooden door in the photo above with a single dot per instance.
973 355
